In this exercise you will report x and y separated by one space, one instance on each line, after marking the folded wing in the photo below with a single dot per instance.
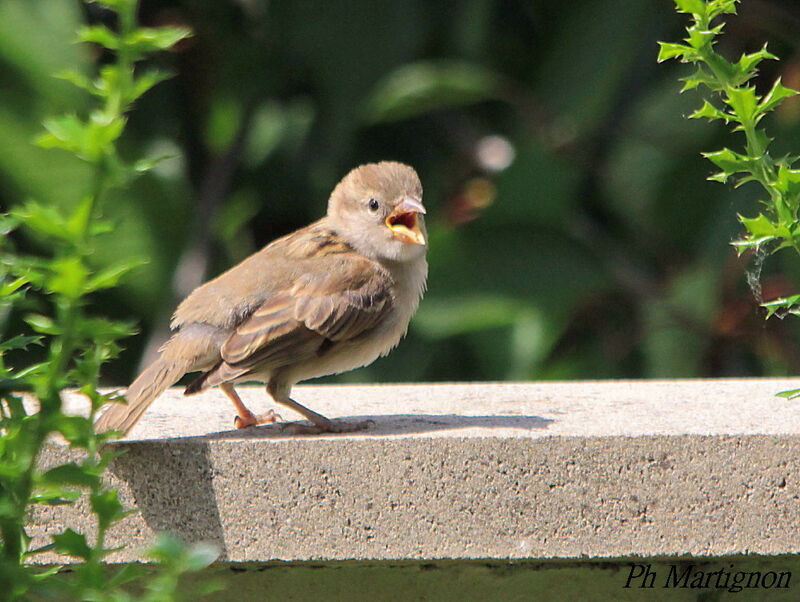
322 309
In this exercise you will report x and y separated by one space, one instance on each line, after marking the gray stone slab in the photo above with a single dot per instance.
528 470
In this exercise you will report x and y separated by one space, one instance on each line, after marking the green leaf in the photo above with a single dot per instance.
453 316
87 140
67 129
170 551
8 223
148 163
745 66
791 394
69 474
700 38
114 5
17 381
788 183
44 220
109 80
775 96
695 7
741 180
762 226
710 112
77 224
102 329
760 229
107 507
749 243
148 39
718 7
19 342
68 277
200 556
729 161
423 87
54 496
99 34
111 276
42 324
71 543
66 132
670 50
129 572
8 288
167 548
75 429
700 76
744 102
761 137
97 227
77 79
103 129
786 304
147 80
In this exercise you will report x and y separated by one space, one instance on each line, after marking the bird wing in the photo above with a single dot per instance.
341 299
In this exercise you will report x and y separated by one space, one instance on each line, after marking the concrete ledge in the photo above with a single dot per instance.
522 471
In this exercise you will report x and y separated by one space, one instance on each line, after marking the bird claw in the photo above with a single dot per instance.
270 417
332 426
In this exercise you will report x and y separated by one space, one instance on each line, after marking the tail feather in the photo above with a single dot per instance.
143 391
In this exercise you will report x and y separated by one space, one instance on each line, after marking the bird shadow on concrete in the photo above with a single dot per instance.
390 424
172 489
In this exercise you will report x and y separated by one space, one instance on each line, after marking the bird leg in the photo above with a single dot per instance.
280 391
319 424
244 417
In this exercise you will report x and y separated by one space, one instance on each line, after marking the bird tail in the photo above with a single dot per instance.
162 373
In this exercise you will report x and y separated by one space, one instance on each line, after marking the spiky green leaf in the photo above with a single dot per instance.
744 102
775 96
670 50
696 7
710 112
746 65
700 76
730 162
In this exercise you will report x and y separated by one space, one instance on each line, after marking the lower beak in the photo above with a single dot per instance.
404 221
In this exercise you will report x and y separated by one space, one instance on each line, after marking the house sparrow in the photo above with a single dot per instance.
327 298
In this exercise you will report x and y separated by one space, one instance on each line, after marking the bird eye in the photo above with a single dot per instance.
374 204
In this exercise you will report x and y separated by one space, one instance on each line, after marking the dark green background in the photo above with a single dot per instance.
601 251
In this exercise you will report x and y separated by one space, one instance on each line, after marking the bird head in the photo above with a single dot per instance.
378 209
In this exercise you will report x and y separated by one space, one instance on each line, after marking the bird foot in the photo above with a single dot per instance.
250 419
330 426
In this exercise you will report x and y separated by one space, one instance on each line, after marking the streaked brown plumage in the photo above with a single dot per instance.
324 299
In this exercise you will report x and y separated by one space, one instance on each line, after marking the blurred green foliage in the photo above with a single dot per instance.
59 283
573 234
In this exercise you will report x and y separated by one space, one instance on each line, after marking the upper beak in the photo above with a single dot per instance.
404 221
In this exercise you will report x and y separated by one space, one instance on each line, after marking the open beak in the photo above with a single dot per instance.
404 221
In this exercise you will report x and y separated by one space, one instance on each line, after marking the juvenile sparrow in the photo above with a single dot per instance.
324 299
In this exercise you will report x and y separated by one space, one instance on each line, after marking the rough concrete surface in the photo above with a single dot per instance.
528 470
